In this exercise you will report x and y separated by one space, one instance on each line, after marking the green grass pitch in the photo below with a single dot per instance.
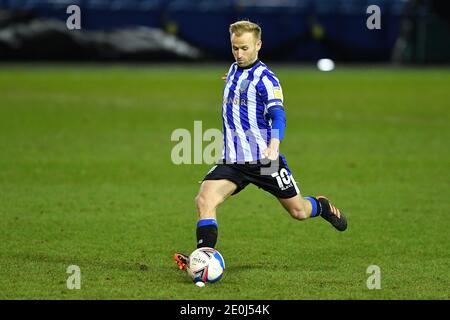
86 179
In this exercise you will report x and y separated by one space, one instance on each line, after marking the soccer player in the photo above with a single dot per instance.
254 122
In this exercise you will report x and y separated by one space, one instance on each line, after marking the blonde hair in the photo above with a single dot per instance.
242 26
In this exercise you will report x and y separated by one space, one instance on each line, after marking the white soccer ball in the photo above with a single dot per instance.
206 265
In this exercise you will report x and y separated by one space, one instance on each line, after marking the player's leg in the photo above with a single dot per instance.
212 193
278 180
298 207
309 207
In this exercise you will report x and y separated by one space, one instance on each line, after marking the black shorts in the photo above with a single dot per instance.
274 177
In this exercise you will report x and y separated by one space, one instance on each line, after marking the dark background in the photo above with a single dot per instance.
293 30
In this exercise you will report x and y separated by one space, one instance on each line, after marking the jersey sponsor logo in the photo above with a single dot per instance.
235 101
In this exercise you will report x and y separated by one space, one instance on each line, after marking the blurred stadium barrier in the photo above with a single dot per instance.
293 30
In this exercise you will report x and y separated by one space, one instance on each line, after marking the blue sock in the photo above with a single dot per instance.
315 206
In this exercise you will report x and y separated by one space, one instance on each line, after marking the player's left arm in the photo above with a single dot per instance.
278 116
273 98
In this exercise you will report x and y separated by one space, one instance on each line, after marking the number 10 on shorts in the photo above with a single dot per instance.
283 179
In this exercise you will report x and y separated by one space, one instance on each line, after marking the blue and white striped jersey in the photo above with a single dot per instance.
248 94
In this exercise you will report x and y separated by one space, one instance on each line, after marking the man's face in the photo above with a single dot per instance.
245 48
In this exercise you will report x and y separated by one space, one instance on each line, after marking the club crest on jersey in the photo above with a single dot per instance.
244 85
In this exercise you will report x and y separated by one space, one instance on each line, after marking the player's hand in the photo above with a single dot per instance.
224 78
271 153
